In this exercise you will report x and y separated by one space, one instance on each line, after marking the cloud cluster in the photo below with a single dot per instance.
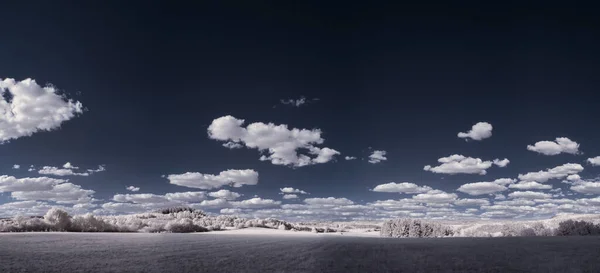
501 163
377 156
479 131
133 188
554 173
67 170
32 108
455 164
480 188
595 161
404 187
287 190
560 145
280 143
234 178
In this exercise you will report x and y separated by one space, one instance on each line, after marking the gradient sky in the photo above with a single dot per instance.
152 77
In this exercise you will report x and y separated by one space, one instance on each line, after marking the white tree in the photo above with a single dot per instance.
58 218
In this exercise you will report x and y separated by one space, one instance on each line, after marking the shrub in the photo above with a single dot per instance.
414 228
58 219
183 226
577 228
89 223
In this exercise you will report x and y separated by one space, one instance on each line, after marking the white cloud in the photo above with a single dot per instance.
11 183
16 166
328 201
188 196
529 195
232 145
140 198
561 145
214 204
377 156
47 170
290 196
235 178
256 203
501 163
101 168
32 109
554 173
480 188
292 190
471 202
124 207
66 193
530 185
297 102
499 197
225 194
350 157
595 161
68 165
460 164
504 181
435 196
587 187
479 131
404 187
281 143
230 211
132 188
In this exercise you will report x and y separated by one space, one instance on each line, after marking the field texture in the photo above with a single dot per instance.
206 252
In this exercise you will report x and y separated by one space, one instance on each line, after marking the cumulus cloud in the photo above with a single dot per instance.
530 185
188 196
377 156
68 165
480 188
404 187
435 196
501 163
16 166
280 143
291 190
595 161
328 201
230 211
235 178
132 188
232 145
290 196
256 203
560 145
11 183
471 202
225 194
554 173
214 204
479 131
140 198
455 164
529 195
587 187
350 157
48 170
32 109
504 181
124 207
64 193
297 102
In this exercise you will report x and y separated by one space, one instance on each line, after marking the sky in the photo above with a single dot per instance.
299 111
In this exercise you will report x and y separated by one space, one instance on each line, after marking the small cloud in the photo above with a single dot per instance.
501 163
287 190
479 131
350 158
298 102
595 161
16 166
377 156
290 196
560 145
68 165
455 164
132 188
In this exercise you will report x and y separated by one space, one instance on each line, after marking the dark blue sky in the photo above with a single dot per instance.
154 75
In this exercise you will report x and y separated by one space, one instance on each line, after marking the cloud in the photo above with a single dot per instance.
561 145
479 131
404 187
225 194
101 168
530 185
290 196
350 157
65 193
292 190
529 195
256 203
230 211
11 183
124 207
587 187
47 170
435 196
505 181
68 165
460 164
501 163
235 178
595 161
471 202
328 201
16 167
554 173
140 198
32 109
280 143
132 188
188 196
297 102
377 156
214 204
480 188
232 145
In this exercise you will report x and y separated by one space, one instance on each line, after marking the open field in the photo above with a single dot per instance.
277 252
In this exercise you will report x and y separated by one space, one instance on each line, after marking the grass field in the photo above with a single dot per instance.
211 252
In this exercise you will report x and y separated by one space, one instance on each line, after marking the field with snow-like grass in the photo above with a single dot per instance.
278 252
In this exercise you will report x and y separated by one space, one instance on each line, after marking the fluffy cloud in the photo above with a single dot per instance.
11 183
32 108
595 161
328 201
16 166
132 188
292 190
404 187
587 187
435 196
47 170
140 198
225 194
350 157
561 145
501 163
479 131
504 181
290 196
471 202
124 207
230 211
460 164
377 156
529 195
256 203
65 193
297 102
235 178
480 188
281 143
214 204
530 185
188 196
554 173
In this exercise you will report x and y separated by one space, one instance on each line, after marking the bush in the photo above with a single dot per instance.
58 219
89 223
183 226
577 228
414 228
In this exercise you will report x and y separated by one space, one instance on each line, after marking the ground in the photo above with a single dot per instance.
279 251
